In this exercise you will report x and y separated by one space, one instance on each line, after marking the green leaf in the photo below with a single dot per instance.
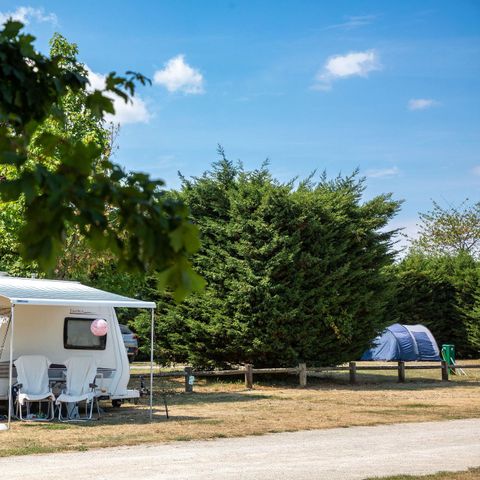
99 104
185 237
12 28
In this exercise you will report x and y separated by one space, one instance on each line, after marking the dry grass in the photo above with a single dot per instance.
434 375
471 474
226 409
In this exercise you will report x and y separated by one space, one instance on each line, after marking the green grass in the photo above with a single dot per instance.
470 474
47 426
183 438
29 449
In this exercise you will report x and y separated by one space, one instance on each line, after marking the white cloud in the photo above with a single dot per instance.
343 66
476 170
26 14
421 103
135 111
355 63
354 21
383 172
179 76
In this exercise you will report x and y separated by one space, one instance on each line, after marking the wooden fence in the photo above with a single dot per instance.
303 372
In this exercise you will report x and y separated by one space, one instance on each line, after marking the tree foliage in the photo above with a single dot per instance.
438 281
450 231
293 273
473 323
439 292
64 177
77 260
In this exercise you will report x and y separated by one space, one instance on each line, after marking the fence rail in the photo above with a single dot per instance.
188 373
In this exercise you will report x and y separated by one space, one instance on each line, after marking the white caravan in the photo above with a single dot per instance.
53 318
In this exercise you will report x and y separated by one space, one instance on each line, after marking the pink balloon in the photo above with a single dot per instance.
99 327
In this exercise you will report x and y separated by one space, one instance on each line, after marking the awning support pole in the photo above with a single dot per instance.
152 330
10 367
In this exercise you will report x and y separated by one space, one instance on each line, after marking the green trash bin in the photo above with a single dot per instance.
448 354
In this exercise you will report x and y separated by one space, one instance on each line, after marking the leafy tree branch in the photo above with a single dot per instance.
67 181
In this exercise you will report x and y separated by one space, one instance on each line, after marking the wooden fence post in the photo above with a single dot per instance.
188 379
302 374
249 376
444 371
401 371
353 372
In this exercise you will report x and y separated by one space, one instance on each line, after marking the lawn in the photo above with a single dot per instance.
225 409
471 474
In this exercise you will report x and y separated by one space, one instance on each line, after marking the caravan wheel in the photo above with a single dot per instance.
116 403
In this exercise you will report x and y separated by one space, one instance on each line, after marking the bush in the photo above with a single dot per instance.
292 274
439 292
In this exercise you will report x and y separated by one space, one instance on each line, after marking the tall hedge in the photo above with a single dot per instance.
439 291
473 322
293 274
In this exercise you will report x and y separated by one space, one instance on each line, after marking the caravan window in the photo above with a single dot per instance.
77 335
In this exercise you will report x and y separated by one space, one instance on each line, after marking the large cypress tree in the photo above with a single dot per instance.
293 274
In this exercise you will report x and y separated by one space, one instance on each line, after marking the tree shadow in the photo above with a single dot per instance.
197 398
373 383
142 417
130 413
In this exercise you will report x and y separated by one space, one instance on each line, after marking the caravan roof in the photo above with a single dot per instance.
31 291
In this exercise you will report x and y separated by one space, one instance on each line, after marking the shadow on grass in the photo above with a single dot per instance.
129 413
215 397
139 414
142 417
373 383
366 382
125 415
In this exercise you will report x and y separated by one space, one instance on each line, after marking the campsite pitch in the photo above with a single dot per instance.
336 454
228 410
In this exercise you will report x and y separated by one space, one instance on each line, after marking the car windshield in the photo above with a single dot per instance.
125 329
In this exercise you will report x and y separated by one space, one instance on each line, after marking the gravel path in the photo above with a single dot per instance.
340 453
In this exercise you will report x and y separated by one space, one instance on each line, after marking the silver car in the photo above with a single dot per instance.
130 340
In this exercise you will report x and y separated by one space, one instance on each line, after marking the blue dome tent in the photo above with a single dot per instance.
404 342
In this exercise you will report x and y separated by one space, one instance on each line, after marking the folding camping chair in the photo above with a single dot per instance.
80 387
33 387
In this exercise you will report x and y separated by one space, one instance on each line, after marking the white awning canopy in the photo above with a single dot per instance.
30 291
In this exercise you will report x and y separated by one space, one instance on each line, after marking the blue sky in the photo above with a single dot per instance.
389 87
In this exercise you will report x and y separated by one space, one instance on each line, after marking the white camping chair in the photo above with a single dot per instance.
80 387
33 387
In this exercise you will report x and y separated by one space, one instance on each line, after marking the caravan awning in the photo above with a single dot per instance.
30 291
